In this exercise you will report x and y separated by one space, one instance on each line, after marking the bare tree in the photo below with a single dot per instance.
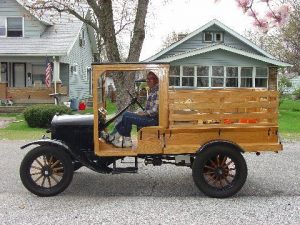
172 38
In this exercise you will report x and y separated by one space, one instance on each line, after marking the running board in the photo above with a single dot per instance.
118 170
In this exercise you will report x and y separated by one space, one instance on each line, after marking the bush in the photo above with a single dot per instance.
296 94
41 115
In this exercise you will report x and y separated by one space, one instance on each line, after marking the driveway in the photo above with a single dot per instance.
156 195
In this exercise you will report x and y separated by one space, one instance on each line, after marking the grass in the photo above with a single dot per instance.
289 123
19 130
289 119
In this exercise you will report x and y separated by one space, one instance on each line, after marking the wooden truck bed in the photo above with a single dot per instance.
246 117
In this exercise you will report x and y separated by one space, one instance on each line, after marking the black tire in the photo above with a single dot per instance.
219 171
46 171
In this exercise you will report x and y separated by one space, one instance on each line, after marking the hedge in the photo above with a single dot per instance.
41 115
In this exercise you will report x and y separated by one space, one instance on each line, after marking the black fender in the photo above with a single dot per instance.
58 143
51 142
220 142
47 141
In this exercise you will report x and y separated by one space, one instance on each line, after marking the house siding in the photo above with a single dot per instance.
219 58
197 42
78 85
32 27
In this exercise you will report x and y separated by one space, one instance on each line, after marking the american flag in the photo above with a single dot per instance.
48 75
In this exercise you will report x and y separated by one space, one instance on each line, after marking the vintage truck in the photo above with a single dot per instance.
207 130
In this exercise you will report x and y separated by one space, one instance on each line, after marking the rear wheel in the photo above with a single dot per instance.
219 171
46 171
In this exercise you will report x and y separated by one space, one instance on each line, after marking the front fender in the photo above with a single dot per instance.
47 142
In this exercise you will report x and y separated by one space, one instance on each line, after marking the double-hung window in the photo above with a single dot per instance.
232 77
11 27
175 76
261 78
246 77
202 76
188 75
14 27
217 78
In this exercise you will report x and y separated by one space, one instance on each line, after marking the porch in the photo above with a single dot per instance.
30 95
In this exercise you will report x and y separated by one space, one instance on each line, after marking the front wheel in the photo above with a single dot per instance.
219 171
46 171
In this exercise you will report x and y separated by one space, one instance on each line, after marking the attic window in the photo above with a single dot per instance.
218 37
208 37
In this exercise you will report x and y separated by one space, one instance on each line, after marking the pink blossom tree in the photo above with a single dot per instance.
277 12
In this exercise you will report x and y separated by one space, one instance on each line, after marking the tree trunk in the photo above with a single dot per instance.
125 81
138 37
107 24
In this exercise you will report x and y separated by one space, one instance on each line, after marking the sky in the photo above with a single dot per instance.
187 16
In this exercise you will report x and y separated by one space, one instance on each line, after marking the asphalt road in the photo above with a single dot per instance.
156 195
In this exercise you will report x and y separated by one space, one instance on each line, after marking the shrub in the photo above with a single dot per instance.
41 115
296 93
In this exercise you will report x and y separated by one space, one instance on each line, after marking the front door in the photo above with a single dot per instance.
19 75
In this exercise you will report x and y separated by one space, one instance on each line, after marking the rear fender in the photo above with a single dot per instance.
220 142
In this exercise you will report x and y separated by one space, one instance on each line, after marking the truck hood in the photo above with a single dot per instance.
71 120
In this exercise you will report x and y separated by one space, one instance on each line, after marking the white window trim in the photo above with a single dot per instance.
225 68
224 78
181 72
212 37
267 78
85 73
196 81
23 26
211 77
175 75
215 37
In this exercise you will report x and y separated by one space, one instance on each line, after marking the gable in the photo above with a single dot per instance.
195 41
32 26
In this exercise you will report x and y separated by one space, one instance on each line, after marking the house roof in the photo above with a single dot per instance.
204 27
225 48
57 39
44 20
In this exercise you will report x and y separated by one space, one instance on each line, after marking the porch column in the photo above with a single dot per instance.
273 78
56 69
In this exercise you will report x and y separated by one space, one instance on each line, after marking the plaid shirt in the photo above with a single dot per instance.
151 108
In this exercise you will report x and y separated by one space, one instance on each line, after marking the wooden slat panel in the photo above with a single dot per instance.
221 93
224 107
254 115
209 105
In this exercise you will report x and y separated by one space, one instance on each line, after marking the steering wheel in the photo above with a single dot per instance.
134 100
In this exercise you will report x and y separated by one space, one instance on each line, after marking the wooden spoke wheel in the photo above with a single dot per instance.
46 171
219 171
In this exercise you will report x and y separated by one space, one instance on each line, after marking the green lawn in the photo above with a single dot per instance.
289 123
19 130
289 119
